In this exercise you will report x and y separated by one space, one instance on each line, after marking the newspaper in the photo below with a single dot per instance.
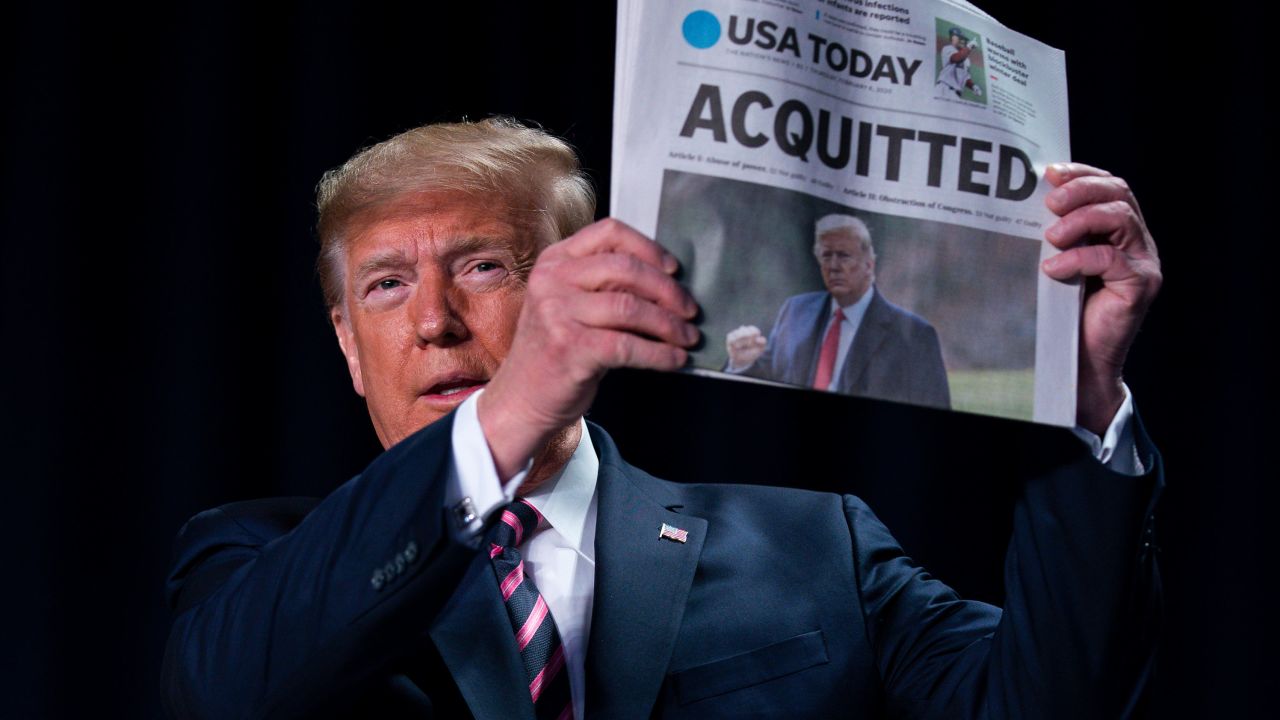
881 157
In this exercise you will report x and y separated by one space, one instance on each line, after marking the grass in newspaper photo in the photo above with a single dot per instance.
961 69
938 314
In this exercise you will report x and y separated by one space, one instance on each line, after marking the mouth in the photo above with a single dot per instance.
454 389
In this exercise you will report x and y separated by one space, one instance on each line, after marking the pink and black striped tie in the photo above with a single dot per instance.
536 633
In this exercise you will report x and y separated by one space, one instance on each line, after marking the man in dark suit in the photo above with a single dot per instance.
849 339
418 589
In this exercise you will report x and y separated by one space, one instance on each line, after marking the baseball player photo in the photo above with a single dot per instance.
960 66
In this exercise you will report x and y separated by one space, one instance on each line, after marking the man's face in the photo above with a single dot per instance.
956 41
847 269
433 285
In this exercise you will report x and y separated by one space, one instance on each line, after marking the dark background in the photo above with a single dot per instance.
165 347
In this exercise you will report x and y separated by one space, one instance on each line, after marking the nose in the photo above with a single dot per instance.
437 313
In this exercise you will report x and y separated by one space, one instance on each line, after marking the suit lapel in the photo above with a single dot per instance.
642 582
815 315
872 331
473 635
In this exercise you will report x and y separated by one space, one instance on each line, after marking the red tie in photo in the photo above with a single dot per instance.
827 358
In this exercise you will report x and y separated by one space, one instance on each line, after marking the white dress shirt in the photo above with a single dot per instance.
561 559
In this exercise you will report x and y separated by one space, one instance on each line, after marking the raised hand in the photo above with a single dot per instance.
600 299
1103 235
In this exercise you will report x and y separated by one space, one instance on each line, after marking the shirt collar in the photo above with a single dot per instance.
566 499
858 306
855 311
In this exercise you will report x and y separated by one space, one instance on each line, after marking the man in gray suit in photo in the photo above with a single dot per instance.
848 338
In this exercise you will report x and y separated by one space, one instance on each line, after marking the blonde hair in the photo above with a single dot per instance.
498 156
838 223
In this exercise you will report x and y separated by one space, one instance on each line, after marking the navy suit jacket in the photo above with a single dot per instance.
894 356
783 602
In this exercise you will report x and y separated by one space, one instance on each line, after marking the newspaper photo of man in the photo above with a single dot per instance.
847 338
954 61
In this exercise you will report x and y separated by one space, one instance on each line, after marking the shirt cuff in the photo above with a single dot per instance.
1116 449
473 490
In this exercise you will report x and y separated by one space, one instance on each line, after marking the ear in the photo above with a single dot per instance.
347 341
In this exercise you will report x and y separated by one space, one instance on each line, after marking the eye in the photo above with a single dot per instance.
385 285
482 273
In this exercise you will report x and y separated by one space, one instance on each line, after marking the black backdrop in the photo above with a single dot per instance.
165 348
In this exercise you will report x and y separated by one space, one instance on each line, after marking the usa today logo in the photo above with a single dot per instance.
701 29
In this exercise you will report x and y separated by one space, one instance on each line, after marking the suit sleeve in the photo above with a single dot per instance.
277 620
930 385
1076 637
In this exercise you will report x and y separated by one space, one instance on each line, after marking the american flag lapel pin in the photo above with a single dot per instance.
673 533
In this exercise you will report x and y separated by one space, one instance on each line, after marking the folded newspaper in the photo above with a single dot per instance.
855 191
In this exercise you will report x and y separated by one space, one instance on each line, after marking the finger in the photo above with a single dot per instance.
750 351
614 236
1103 261
627 312
1089 190
748 348
1061 172
621 349
618 272
1118 221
